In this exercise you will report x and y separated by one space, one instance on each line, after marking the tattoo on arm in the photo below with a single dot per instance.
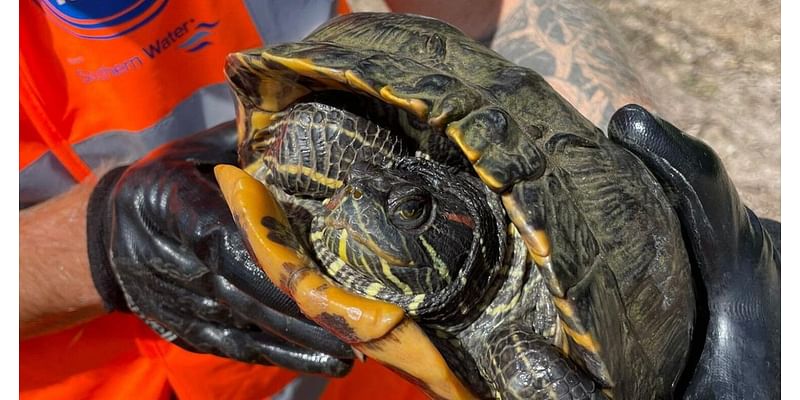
572 45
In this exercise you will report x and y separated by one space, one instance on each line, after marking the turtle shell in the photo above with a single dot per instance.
595 221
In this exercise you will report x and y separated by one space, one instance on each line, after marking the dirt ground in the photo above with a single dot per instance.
713 69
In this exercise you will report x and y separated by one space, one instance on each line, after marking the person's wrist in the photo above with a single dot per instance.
56 289
98 218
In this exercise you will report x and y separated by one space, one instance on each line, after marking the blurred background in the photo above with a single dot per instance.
713 69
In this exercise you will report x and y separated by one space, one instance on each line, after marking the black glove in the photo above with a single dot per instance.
736 352
163 244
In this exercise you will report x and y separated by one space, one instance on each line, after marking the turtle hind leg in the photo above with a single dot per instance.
524 365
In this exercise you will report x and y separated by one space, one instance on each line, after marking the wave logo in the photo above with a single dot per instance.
198 41
103 19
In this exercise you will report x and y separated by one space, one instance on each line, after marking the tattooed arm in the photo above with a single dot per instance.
569 42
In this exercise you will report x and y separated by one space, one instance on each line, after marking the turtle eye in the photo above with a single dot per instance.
410 211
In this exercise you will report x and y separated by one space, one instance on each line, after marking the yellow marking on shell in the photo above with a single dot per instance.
414 106
584 340
538 241
260 119
540 261
249 63
440 266
387 272
439 120
305 66
415 303
522 350
343 246
330 77
241 129
511 229
536 238
356 82
382 330
455 134
373 289
277 93
488 178
308 172
564 306
560 338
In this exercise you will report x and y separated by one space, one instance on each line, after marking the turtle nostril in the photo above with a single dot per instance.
333 202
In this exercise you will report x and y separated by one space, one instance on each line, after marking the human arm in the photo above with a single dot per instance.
56 289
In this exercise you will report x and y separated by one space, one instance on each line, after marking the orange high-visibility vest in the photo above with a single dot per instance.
105 82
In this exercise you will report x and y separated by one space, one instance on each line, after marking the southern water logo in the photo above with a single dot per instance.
192 37
198 41
103 19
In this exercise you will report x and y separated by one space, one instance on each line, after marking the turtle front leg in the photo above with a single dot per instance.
524 365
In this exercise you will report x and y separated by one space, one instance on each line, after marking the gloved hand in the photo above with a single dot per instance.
737 332
163 245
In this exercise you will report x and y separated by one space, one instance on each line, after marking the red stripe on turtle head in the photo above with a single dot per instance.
461 219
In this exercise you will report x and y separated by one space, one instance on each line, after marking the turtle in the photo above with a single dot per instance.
542 259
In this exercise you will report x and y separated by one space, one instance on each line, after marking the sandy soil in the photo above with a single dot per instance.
713 69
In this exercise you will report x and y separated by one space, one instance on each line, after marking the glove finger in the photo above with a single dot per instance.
196 214
145 206
260 347
204 325
689 170
227 306
301 332
168 302
273 311
206 223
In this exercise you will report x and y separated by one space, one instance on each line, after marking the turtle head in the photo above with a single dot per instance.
409 234
396 226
